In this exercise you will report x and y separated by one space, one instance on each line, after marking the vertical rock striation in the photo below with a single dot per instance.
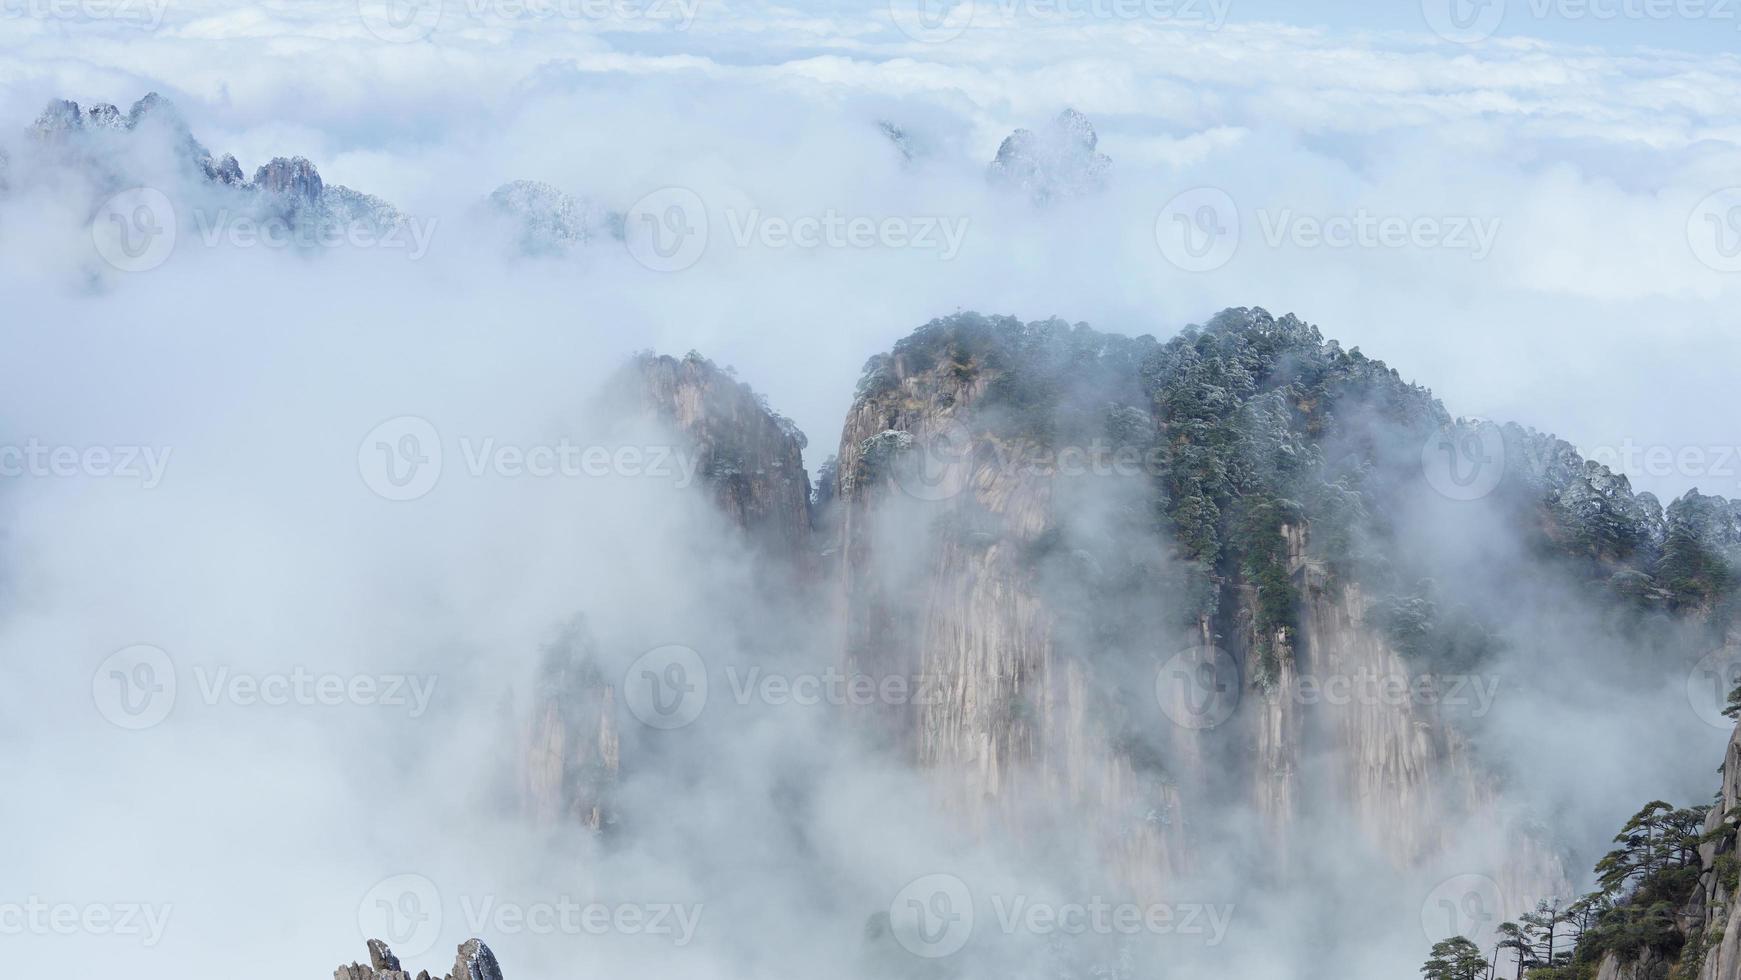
571 755
1004 492
750 458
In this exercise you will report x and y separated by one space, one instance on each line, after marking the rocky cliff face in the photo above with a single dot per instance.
751 459
1710 921
750 463
1695 939
1000 489
1113 572
571 754
1395 767
1716 915
1105 570
940 589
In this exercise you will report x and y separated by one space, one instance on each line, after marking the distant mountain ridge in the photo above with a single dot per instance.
289 188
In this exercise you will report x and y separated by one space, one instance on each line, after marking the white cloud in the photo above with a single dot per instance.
1592 316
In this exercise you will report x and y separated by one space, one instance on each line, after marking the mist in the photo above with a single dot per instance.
271 694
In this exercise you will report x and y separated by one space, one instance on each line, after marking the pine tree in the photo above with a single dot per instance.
1455 959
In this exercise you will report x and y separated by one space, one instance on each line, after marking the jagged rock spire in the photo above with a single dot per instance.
381 957
474 961
295 188
294 177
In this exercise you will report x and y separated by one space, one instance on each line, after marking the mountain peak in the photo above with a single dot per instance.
1059 161
549 220
293 183
294 177
59 116
155 107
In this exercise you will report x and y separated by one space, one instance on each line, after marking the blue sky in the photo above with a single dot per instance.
1710 26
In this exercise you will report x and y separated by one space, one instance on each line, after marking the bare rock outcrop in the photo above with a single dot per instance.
294 178
546 220
571 753
292 188
1711 919
74 132
995 483
474 961
750 458
1058 162
287 188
